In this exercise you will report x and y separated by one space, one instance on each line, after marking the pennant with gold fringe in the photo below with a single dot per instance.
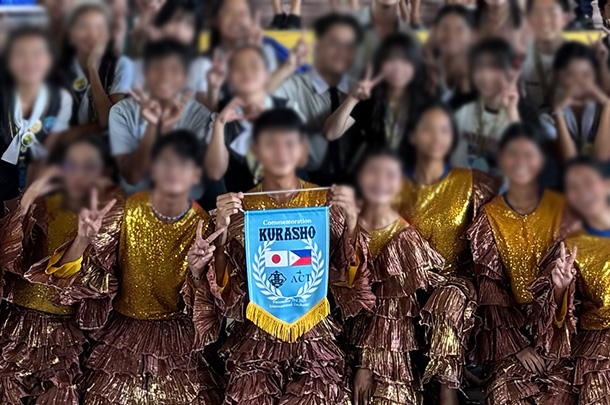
287 264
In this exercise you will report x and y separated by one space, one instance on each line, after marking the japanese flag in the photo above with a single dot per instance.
276 258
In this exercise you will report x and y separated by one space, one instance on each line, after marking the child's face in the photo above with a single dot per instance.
82 168
181 28
234 20
586 191
398 72
90 29
547 19
453 35
30 60
279 151
174 175
433 135
577 76
521 161
488 78
165 77
380 180
248 72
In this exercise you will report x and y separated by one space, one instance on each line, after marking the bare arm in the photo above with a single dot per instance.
216 161
601 145
133 166
567 148
340 121
102 101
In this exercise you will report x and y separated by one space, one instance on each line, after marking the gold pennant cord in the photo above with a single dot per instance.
288 332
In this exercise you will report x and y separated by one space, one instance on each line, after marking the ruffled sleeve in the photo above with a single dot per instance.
484 188
230 293
551 334
497 331
349 276
93 287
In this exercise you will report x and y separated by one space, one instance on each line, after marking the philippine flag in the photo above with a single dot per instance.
288 258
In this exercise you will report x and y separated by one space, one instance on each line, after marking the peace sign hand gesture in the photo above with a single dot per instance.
562 274
217 74
298 54
364 88
150 109
90 220
201 252
173 113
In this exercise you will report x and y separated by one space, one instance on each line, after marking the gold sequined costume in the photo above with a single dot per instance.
442 212
143 355
402 263
46 307
264 370
591 346
507 248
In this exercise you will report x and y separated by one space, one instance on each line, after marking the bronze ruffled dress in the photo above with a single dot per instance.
442 212
402 263
507 248
264 370
591 346
46 307
144 353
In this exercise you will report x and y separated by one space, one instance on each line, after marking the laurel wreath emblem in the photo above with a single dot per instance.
273 293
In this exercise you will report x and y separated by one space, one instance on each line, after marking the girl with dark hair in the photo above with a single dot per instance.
447 53
96 77
441 202
495 74
402 263
57 246
383 102
576 272
33 109
233 25
503 19
508 239
580 120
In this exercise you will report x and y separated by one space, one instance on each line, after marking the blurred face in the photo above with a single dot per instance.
181 28
576 77
234 20
380 180
453 35
336 50
248 72
30 60
58 10
521 161
174 175
488 78
547 19
165 77
398 72
88 30
433 135
279 152
586 191
82 169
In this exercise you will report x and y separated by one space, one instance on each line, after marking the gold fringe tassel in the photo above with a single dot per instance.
288 332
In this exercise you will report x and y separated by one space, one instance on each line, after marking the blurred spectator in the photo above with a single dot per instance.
283 21
503 18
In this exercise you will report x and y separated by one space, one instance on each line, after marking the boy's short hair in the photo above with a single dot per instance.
586 161
278 119
183 142
164 48
323 24
564 4
499 50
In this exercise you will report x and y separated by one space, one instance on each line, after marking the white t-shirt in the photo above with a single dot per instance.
122 83
475 150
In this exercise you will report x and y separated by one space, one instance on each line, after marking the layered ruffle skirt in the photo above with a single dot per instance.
40 357
148 362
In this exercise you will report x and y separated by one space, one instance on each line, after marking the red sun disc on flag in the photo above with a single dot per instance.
276 259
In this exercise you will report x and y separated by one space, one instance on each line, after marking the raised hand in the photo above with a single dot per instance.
299 52
562 274
364 88
567 98
229 113
595 92
201 252
95 57
43 185
363 386
344 197
254 33
510 93
172 114
599 47
150 110
90 220
217 74
227 205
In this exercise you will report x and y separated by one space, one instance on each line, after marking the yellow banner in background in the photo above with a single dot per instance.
290 38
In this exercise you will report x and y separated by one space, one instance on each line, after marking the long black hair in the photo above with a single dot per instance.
24 32
408 48
515 13
215 36
571 51
68 52
173 8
